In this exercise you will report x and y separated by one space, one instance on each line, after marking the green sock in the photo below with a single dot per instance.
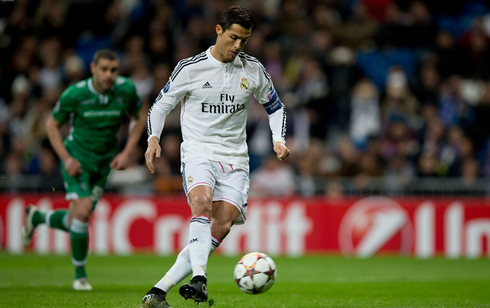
58 220
80 272
38 218
79 246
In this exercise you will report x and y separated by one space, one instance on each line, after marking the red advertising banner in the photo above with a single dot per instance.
421 227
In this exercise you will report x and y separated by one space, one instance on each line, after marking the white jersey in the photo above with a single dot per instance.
215 99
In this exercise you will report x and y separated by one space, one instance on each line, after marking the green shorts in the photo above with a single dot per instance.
90 183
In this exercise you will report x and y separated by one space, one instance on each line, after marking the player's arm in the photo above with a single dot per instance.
156 119
277 123
71 164
152 152
136 127
276 110
173 92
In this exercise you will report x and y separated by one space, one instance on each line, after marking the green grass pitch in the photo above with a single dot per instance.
30 280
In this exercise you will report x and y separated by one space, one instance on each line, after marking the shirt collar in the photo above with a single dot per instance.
94 91
216 61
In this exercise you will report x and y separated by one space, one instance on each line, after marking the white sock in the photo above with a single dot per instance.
181 268
199 244
214 244
178 271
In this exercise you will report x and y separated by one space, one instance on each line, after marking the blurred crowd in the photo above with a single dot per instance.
392 90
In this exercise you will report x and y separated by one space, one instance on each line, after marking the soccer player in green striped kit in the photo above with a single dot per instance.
95 107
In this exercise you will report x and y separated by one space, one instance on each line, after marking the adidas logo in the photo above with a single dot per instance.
207 86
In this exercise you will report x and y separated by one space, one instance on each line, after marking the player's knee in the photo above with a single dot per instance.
83 210
201 205
83 215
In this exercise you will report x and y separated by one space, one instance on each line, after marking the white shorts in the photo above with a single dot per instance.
229 183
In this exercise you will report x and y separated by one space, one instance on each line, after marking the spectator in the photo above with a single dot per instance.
36 117
50 175
452 106
399 103
427 166
334 190
449 54
349 158
264 181
130 180
73 70
343 75
358 30
426 88
399 173
365 118
470 172
421 29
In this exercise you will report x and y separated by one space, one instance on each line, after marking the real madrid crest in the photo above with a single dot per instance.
189 180
244 84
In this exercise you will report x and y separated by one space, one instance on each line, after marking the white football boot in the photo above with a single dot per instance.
28 230
81 284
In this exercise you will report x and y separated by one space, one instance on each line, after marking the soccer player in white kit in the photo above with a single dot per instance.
215 89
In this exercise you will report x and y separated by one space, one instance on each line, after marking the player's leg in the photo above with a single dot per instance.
201 202
57 219
196 174
179 270
33 217
230 200
224 217
89 188
199 177
229 206
79 217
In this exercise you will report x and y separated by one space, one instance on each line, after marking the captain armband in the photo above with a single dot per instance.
274 103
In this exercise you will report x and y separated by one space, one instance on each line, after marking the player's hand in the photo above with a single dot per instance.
152 152
72 166
281 150
121 161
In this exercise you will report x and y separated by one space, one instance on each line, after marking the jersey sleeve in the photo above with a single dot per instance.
66 105
173 93
267 96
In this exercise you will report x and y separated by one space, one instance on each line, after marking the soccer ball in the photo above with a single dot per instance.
255 273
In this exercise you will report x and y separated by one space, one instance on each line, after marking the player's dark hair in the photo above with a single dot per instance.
236 15
105 54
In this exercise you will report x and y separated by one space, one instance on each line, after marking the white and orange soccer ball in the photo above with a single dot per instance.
255 273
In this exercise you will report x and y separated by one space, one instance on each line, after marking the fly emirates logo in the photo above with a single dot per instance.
227 105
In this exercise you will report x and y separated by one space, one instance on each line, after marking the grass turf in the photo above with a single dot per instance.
30 280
